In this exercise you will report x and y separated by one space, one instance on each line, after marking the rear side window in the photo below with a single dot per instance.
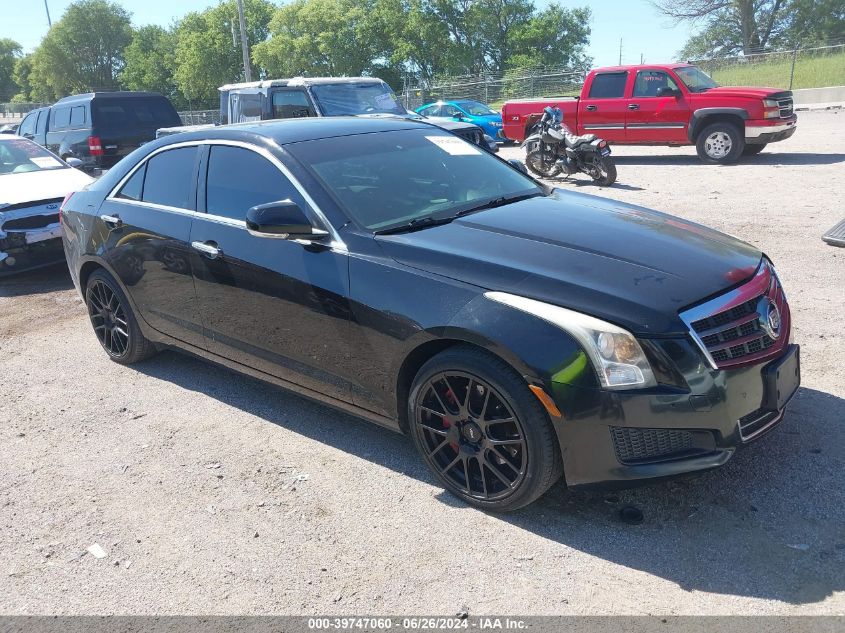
134 113
61 118
134 187
608 86
77 116
170 177
239 178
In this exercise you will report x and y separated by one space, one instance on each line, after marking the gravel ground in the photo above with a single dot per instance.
212 493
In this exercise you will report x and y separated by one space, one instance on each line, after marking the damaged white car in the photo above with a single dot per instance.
33 183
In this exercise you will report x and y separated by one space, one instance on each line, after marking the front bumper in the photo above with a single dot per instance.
759 133
619 439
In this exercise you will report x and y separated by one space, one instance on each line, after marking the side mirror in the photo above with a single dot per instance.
518 164
74 162
666 91
283 220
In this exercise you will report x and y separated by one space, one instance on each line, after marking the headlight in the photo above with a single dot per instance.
615 353
771 109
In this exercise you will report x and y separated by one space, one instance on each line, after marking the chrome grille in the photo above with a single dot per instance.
785 107
732 334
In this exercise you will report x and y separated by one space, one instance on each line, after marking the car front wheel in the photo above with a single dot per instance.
113 321
482 432
720 143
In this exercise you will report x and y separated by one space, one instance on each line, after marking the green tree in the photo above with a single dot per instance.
10 52
23 68
150 60
554 37
208 50
83 51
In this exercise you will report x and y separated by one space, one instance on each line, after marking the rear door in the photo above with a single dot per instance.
123 124
271 304
653 119
147 221
603 110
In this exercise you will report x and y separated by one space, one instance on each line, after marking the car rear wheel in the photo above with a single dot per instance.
720 143
753 150
114 322
482 432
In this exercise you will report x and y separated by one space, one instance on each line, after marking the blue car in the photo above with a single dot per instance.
466 110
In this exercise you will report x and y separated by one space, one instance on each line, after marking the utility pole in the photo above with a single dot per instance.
49 21
244 43
620 51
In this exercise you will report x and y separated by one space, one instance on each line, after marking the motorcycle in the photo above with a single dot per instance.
551 149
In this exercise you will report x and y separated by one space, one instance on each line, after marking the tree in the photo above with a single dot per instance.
10 52
753 26
83 51
150 61
556 36
208 51
23 68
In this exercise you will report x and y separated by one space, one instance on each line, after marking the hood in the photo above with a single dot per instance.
40 185
625 264
751 92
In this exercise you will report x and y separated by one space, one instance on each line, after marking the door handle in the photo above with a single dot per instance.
633 106
113 220
209 249
592 108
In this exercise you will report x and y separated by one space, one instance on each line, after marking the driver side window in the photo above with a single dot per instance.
650 81
239 179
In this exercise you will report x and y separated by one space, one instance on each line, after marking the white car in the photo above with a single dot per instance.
33 183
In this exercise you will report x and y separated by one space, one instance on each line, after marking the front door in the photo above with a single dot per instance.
147 223
271 304
653 118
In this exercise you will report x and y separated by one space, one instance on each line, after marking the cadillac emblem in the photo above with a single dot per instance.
769 318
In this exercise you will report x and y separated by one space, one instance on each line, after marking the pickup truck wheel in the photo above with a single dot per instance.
753 150
720 143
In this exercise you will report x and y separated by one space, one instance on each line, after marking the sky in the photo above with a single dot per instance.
642 29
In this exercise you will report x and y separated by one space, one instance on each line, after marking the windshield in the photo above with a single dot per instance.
349 99
695 79
20 155
389 179
475 108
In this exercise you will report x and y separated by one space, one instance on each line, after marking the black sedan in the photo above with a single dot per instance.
392 270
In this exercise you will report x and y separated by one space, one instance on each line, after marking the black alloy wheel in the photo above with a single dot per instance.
108 318
482 432
113 321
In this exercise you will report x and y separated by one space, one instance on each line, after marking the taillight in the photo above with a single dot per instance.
95 146
64 204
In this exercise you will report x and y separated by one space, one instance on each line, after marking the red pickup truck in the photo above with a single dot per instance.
675 104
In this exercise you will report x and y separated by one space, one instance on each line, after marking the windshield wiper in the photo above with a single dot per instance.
415 225
497 202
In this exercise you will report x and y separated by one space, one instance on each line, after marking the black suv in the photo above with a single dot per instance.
99 128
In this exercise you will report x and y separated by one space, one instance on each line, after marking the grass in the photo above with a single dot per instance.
819 71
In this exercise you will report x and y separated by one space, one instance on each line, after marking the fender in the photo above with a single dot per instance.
699 116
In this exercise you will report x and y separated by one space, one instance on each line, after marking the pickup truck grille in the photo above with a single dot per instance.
785 107
735 329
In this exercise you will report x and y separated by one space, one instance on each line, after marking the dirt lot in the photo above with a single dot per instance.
215 493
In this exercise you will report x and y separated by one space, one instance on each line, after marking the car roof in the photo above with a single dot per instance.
117 94
605 69
300 129
302 81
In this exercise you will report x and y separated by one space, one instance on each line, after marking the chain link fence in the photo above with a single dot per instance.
817 67
12 110
199 117
496 88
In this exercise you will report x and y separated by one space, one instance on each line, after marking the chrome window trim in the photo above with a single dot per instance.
336 242
710 308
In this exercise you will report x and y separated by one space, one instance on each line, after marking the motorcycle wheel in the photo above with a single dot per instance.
544 165
603 171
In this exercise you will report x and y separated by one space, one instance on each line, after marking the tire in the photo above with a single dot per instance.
720 143
605 171
543 166
489 402
114 323
753 150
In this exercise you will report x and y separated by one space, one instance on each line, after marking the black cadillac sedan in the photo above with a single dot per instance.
392 270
